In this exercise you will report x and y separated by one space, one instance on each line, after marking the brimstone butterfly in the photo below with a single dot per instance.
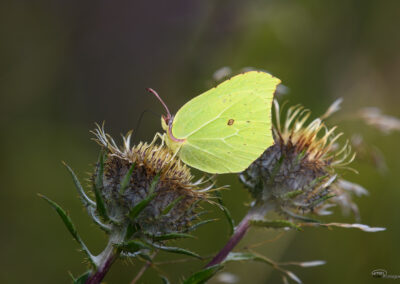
226 128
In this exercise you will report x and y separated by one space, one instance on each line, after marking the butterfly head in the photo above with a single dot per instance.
166 120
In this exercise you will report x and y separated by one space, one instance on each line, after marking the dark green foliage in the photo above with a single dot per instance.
203 276
85 199
172 236
125 182
226 212
98 186
133 246
68 223
82 279
175 250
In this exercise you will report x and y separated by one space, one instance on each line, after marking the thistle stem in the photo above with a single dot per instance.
240 232
106 258
101 272
256 212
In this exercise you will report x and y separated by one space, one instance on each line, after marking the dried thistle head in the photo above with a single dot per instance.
299 172
373 116
145 186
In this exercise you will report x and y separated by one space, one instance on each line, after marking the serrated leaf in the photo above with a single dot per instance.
87 202
317 180
132 229
133 246
276 169
195 226
198 215
226 212
96 219
154 183
138 208
204 275
322 199
172 236
82 279
299 217
175 250
85 199
172 205
125 181
97 186
275 224
300 157
70 226
292 194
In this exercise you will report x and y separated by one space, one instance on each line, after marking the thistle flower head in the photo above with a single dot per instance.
298 172
146 186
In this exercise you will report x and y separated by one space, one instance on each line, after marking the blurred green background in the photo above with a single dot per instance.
68 64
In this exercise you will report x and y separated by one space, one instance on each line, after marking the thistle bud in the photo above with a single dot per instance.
146 187
298 173
144 197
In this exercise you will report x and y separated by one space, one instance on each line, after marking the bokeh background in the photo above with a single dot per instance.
68 64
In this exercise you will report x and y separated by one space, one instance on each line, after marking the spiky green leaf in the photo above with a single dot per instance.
276 169
197 225
69 224
175 250
125 181
322 199
138 208
85 199
133 246
226 212
97 186
204 275
154 183
92 214
300 217
168 208
82 279
172 236
292 194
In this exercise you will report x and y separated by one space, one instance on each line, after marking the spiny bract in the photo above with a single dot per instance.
298 173
173 198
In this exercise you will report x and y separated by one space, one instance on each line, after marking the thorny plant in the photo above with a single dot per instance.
142 197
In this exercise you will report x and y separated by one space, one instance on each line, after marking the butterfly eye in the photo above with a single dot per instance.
166 119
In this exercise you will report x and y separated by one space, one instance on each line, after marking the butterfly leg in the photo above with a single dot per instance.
158 135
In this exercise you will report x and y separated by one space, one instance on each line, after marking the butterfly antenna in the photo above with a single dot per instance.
162 102
139 121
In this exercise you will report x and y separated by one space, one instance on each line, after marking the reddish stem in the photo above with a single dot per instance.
98 276
239 233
